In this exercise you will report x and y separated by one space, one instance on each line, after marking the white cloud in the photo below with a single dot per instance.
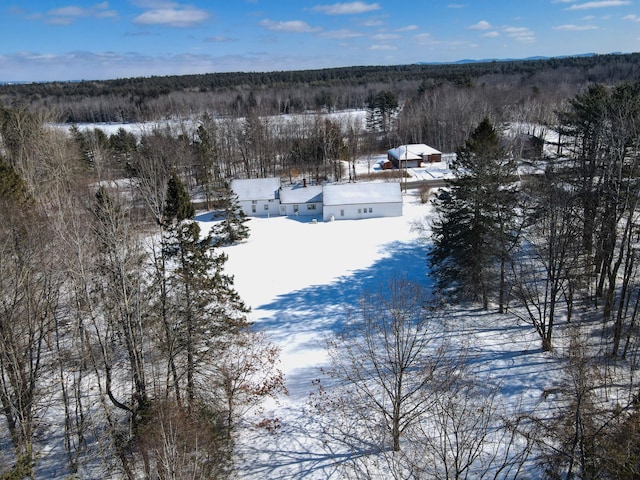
632 17
174 17
601 4
350 8
492 34
292 26
575 28
521 34
383 37
382 47
341 34
372 22
481 25
408 28
69 14
426 39
219 39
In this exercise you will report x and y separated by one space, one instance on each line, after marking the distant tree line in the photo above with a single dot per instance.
151 98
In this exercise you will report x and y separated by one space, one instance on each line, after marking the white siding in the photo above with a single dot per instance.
301 201
257 197
361 200
355 212
301 209
260 208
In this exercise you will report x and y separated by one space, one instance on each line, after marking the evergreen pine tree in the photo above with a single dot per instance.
178 205
207 310
12 187
474 230
233 226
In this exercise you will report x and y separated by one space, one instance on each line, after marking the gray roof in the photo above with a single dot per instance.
256 188
300 194
361 193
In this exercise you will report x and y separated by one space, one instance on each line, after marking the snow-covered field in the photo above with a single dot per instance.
301 279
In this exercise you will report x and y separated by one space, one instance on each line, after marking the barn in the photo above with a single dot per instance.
258 197
351 201
413 155
301 200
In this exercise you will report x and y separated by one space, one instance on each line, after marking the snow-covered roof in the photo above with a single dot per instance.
300 194
256 188
361 193
414 151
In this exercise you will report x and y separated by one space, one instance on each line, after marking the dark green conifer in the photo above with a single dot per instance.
233 227
474 230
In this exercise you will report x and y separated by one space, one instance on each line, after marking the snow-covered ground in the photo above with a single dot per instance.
302 278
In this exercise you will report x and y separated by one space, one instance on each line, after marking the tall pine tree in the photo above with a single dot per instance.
233 226
207 311
474 230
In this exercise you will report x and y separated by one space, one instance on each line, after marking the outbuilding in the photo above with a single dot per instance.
351 201
413 155
258 197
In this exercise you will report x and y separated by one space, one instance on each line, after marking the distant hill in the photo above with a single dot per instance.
527 59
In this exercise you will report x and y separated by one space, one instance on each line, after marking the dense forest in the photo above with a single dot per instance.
118 320
138 99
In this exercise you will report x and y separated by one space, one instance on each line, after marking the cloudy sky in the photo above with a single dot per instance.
73 40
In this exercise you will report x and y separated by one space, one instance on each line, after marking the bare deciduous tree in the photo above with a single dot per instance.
29 296
386 370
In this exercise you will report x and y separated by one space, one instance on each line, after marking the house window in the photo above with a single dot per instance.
359 211
253 209
370 210
342 213
311 206
295 209
266 207
254 202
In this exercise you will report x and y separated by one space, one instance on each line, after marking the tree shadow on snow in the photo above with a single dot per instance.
325 308
301 321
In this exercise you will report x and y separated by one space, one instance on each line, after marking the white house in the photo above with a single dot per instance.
413 155
258 197
361 200
261 197
301 200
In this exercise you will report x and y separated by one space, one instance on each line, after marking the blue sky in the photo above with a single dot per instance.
73 40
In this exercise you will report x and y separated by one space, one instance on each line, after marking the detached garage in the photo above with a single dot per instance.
352 201
413 156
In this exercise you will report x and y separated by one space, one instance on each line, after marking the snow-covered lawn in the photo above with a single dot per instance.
301 280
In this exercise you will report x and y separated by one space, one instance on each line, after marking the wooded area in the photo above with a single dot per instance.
117 313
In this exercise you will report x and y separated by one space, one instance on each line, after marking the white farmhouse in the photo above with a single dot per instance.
258 197
361 200
301 200
262 197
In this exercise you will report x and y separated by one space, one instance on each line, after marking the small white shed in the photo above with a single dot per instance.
301 200
351 201
258 197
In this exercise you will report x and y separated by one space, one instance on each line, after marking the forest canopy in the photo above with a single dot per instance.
148 98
